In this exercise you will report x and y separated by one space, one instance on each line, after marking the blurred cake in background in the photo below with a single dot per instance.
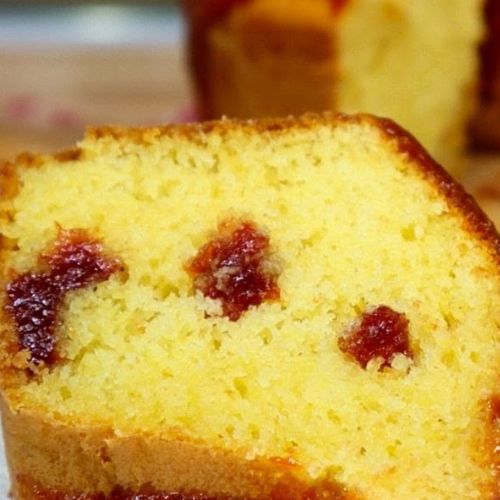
415 62
486 124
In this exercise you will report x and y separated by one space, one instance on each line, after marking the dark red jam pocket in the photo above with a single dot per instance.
381 333
34 298
235 268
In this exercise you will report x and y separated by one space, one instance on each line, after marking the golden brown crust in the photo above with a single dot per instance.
68 155
89 460
33 160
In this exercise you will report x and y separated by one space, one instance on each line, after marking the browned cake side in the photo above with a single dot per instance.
81 464
486 124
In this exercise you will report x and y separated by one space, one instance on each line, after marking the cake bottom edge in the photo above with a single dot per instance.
50 460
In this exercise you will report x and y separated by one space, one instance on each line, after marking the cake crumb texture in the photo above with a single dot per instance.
355 224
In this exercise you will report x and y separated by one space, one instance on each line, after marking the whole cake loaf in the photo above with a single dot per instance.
415 62
296 309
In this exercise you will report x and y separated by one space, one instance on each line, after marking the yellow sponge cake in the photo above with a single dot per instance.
296 309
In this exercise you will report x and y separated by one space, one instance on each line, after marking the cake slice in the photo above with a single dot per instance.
414 62
271 310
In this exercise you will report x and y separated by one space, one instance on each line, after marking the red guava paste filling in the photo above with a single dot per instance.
235 268
34 298
382 333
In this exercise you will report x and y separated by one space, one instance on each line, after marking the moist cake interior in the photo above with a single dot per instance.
352 225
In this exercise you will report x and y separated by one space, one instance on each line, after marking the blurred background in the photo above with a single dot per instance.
67 63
